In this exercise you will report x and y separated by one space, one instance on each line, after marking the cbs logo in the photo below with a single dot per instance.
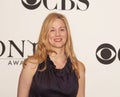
54 4
106 53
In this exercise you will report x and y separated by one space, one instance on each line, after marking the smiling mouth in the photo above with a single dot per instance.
58 39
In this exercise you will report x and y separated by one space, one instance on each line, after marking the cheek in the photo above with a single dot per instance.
50 37
65 36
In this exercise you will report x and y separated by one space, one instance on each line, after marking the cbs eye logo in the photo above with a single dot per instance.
106 53
31 4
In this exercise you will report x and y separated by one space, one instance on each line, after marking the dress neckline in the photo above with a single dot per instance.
67 69
54 66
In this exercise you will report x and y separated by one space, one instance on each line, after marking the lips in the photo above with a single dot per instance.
58 39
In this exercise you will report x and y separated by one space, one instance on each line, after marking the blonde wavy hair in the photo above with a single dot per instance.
43 47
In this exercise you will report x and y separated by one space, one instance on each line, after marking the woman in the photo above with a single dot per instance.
54 70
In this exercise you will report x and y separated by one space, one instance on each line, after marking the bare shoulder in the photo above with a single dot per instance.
81 66
30 66
31 63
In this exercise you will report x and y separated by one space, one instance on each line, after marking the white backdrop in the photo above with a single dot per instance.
90 28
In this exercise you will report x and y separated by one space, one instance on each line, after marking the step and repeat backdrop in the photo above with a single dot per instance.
95 29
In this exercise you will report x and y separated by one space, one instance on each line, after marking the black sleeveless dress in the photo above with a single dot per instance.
54 82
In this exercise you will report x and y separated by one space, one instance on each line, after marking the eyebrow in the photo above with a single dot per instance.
60 27
63 27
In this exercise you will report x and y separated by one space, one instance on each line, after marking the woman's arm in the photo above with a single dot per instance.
25 79
81 90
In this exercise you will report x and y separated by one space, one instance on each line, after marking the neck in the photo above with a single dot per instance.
59 58
59 54
59 51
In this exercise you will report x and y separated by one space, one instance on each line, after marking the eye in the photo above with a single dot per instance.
62 29
31 4
106 53
52 30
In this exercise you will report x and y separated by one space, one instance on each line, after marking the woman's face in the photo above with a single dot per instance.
57 34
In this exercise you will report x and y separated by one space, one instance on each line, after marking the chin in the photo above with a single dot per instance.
58 46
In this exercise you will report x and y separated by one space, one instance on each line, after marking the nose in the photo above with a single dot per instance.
57 33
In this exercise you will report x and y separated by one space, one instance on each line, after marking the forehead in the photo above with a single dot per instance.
58 22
